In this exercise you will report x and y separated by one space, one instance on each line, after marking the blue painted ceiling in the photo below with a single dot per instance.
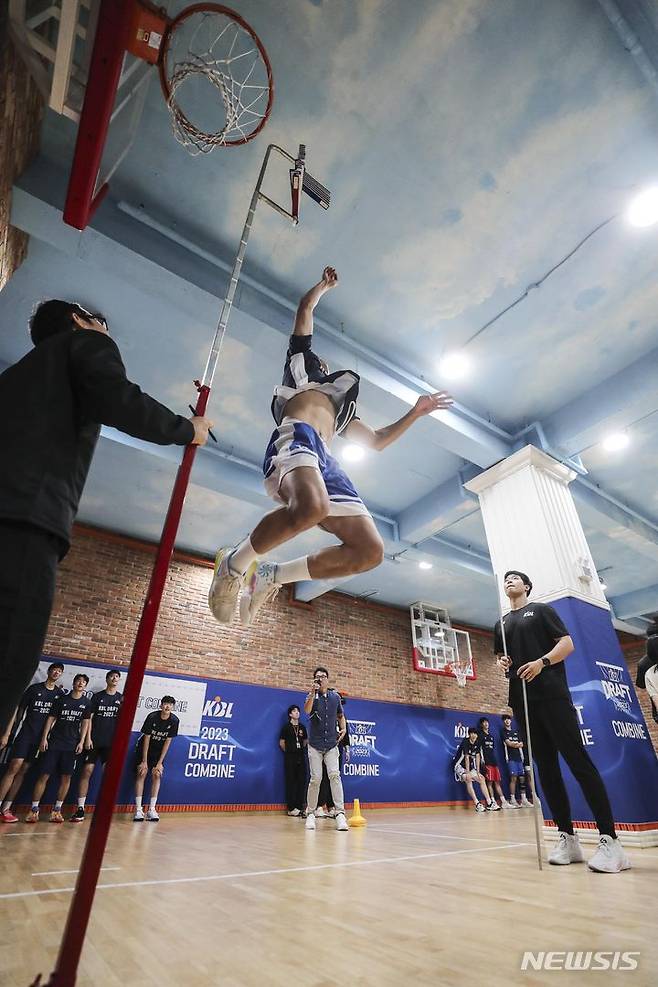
471 149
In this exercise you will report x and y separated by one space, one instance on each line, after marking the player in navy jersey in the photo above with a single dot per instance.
309 408
31 715
61 743
538 643
100 723
158 731
513 747
491 770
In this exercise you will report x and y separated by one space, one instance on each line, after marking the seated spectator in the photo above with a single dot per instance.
467 768
293 741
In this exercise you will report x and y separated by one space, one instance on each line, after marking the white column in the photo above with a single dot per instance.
532 525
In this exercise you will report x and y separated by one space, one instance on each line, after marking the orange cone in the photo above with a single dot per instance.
356 819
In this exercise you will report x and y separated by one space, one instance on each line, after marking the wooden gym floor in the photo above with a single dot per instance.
420 896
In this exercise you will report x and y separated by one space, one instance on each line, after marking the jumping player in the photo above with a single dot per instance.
309 408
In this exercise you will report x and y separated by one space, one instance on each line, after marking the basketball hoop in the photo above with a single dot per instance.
208 44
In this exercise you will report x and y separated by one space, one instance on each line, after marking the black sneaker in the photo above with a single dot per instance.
78 815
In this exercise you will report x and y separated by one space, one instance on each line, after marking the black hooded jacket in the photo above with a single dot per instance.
52 404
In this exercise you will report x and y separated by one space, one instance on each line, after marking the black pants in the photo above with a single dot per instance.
554 730
28 566
295 783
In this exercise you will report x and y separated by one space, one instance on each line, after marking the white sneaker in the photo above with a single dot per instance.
152 816
294 812
224 589
493 806
504 804
341 822
609 857
310 821
525 802
332 813
259 590
479 807
139 816
567 850
320 813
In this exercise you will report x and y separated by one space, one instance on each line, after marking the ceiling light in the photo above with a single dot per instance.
643 210
424 565
616 441
454 365
352 453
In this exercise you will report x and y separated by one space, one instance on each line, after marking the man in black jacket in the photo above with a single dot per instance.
52 404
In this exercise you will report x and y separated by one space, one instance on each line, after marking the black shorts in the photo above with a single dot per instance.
26 746
151 761
53 762
97 754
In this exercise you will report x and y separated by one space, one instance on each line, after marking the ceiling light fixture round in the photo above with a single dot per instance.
616 442
454 366
643 210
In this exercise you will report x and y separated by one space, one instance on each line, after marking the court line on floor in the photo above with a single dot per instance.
8 836
48 873
434 836
266 873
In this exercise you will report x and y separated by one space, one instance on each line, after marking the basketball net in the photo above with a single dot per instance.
210 44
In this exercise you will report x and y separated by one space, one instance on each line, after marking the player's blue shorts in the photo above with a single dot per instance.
295 444
516 768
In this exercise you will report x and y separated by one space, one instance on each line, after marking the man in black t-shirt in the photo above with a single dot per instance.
31 714
491 770
100 722
467 768
537 645
293 741
158 731
61 743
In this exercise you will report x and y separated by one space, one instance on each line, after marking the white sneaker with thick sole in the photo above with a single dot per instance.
567 850
139 816
320 813
609 858
225 588
152 816
342 824
504 804
310 821
525 802
493 807
294 812
260 589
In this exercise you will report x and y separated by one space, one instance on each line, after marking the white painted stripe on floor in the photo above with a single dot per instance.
50 832
433 836
47 873
266 873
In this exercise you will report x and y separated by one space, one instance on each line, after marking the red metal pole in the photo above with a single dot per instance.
65 972
103 81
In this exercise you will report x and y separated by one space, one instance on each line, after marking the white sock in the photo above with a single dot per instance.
152 803
58 806
292 572
242 557
35 807
81 801
138 803
6 806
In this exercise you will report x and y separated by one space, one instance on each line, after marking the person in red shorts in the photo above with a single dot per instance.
491 769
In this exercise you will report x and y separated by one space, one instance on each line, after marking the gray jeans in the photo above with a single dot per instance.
315 760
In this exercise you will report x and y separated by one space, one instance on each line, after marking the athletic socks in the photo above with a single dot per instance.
58 805
35 807
292 572
241 557
6 806
152 803
138 803
81 801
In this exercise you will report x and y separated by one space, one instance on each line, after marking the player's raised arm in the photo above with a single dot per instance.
307 303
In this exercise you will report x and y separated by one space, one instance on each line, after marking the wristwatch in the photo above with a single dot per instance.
546 662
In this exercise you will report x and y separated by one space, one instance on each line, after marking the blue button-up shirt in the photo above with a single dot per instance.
323 716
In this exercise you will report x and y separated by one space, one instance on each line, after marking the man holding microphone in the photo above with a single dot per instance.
327 729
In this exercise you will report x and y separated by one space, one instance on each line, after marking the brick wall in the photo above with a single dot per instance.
20 126
633 656
366 646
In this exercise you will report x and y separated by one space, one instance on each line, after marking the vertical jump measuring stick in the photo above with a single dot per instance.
536 804
65 972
